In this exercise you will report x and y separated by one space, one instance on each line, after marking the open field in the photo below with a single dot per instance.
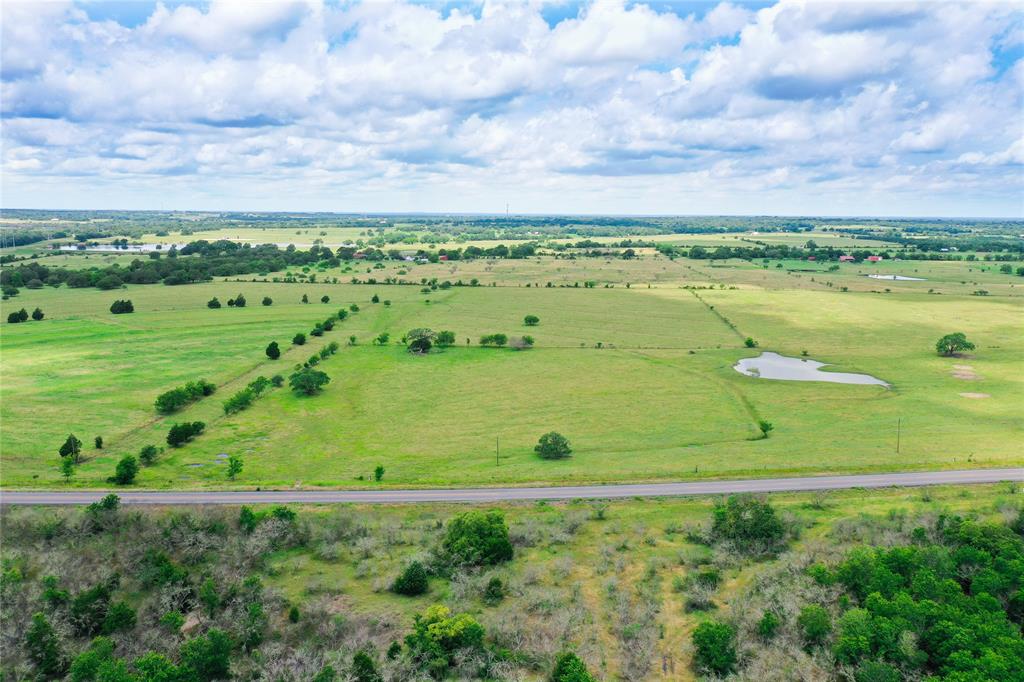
640 379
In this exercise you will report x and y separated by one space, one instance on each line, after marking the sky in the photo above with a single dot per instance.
611 107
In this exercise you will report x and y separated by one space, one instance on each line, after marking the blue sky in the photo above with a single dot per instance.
849 108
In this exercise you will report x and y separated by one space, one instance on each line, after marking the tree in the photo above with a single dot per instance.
352 340
125 472
308 381
444 339
208 657
120 618
437 636
325 299
569 668
267 300
240 301
765 426
420 340
553 445
715 649
213 303
378 473
951 344
364 669
299 339
179 434
234 467
382 339
498 340
478 538
273 350
750 523
750 343
98 442
305 298
37 314
72 448
44 648
147 455
531 320
18 316
815 624
412 581
121 307
375 299
209 597
67 468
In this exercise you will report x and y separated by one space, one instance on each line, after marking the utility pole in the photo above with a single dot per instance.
898 425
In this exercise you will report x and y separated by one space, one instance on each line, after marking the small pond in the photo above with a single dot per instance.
770 365
898 278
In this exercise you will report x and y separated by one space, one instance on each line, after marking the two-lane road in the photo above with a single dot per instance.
386 496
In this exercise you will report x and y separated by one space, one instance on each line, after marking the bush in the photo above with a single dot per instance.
240 301
748 522
531 320
438 635
750 343
308 381
325 299
147 455
273 350
412 581
299 339
494 592
120 618
37 314
179 434
715 649
177 398
497 340
444 339
18 316
815 624
208 657
239 401
122 307
267 300
569 668
43 647
768 625
213 303
125 472
478 538
553 445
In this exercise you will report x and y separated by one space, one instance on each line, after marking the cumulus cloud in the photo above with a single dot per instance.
799 107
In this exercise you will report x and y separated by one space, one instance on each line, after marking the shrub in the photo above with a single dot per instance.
179 434
412 581
240 301
531 320
98 442
325 299
19 316
43 647
308 381
445 339
750 343
569 668
239 401
553 445
438 635
768 625
815 624
748 522
147 455
120 618
273 350
478 538
125 472
37 314
213 303
495 591
715 649
122 307
299 339
267 300
497 340
208 657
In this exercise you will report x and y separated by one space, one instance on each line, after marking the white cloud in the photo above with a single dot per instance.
798 107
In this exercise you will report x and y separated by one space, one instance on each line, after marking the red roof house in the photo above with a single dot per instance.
874 259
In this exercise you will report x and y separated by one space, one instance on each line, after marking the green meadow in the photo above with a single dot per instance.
639 379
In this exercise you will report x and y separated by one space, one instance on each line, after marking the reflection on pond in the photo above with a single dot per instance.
770 365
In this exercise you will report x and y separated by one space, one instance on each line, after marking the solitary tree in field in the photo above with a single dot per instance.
325 299
273 350
378 473
37 314
382 339
750 343
267 300
305 298
531 320
234 466
951 344
299 339
420 340
213 303
72 448
98 442
553 445
125 472
308 381
765 426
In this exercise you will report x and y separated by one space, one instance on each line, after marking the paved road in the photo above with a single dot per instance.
757 485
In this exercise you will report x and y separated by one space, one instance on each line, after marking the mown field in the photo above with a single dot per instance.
639 379
619 583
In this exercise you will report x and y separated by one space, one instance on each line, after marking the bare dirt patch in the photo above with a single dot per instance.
965 372
975 395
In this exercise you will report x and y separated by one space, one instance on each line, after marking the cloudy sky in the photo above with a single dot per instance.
836 108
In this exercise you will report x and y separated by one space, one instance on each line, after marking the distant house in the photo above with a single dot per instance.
442 257
874 259
845 259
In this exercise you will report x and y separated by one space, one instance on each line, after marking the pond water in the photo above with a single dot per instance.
770 365
898 278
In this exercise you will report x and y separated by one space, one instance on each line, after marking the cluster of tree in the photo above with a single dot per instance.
497 340
179 434
421 340
121 307
236 302
23 316
177 398
248 395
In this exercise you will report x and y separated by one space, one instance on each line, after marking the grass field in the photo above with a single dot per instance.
640 379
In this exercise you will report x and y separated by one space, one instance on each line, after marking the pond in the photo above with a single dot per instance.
774 366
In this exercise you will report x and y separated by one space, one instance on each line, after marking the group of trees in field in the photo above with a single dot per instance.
120 307
248 395
179 434
177 398
236 302
23 315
